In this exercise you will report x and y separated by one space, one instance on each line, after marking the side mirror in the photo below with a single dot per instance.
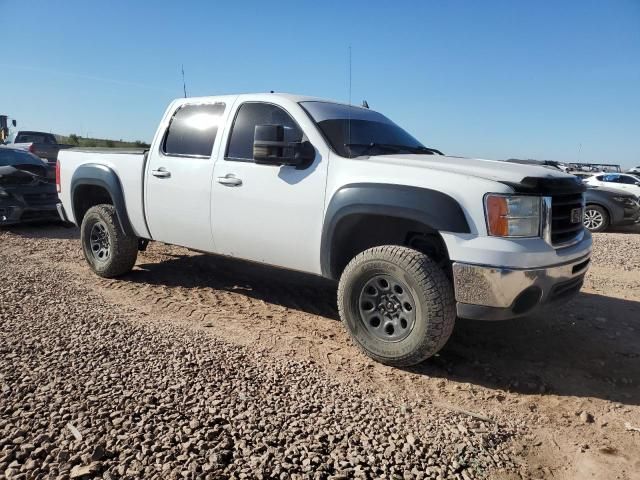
269 148
14 123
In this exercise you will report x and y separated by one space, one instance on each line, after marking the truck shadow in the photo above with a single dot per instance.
589 347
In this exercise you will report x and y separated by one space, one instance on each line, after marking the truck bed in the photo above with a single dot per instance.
127 163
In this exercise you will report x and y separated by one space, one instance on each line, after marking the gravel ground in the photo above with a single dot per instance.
195 366
89 388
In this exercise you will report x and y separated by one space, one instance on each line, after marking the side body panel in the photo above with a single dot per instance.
129 169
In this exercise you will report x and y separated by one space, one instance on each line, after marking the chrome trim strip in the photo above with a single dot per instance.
546 219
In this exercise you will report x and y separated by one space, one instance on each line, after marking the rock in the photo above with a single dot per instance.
98 453
80 471
586 417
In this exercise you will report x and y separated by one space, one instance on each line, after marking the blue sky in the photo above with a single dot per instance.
493 79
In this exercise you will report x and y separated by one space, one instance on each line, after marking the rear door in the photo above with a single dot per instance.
178 176
630 183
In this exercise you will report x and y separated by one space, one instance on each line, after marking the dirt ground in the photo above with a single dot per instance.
569 378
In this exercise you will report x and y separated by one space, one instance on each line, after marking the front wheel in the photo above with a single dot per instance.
107 249
596 218
397 304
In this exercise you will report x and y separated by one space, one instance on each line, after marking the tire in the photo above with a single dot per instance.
108 251
423 285
596 218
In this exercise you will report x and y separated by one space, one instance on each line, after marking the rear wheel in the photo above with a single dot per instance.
107 249
596 218
397 304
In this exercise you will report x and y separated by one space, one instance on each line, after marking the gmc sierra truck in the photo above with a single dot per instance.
414 238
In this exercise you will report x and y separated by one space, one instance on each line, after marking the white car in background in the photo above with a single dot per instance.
616 181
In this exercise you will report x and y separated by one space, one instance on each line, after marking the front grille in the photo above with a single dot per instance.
38 199
563 230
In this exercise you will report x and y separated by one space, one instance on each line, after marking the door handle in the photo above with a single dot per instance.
230 180
161 173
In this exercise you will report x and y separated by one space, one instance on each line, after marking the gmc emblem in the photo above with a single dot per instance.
576 215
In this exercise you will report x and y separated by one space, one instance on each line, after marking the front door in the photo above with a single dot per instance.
269 213
178 177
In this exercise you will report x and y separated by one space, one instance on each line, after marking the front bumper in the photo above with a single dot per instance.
486 292
12 214
28 203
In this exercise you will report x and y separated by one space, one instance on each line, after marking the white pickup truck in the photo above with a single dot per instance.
415 238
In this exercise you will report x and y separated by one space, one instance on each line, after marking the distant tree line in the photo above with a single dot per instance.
80 141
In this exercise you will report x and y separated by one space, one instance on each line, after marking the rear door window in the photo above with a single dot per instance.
192 130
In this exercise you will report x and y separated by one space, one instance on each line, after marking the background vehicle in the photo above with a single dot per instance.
634 170
42 144
609 208
26 192
413 237
595 167
616 181
4 127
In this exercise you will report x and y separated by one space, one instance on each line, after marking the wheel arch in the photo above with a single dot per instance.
93 184
366 215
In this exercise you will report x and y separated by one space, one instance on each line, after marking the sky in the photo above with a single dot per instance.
492 79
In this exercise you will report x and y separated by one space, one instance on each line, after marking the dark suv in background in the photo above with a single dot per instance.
27 193
609 208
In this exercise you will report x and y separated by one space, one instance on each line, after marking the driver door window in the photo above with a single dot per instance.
249 115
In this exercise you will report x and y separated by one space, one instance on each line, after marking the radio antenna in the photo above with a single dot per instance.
349 110
184 85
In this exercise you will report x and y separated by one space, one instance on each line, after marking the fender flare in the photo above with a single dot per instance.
436 210
102 176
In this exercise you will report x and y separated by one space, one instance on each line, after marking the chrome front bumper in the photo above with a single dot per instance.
492 293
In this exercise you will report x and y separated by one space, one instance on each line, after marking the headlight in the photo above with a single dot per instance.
512 215
626 201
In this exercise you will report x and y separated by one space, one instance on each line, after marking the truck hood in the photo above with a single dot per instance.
495 170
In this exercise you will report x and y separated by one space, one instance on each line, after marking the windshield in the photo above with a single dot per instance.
35 137
356 131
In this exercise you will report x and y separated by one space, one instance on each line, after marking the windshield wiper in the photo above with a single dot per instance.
427 150
370 146
394 147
